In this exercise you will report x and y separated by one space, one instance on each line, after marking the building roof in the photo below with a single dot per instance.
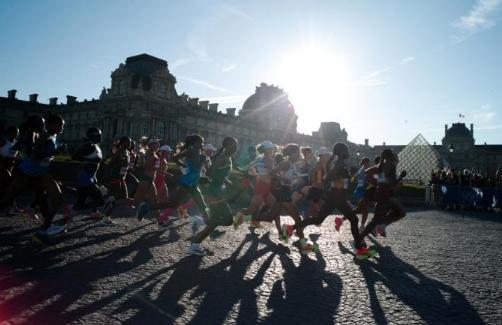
146 58
144 64
268 96
19 103
458 130
489 147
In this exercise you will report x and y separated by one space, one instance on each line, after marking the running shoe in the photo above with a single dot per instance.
195 249
41 237
216 234
238 219
97 215
362 253
255 225
338 223
107 221
287 231
142 211
54 230
307 248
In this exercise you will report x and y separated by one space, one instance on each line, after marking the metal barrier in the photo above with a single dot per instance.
441 195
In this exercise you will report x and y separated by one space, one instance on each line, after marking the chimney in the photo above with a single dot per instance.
11 94
193 101
33 98
384 143
184 98
445 129
213 107
70 100
366 142
231 111
204 104
434 143
472 129
53 101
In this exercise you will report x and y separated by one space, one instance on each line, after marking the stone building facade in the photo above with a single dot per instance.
460 151
143 101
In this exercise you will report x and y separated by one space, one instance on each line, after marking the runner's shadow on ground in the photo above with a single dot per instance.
64 284
307 294
218 287
433 301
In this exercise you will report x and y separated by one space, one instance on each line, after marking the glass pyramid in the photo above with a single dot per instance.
419 159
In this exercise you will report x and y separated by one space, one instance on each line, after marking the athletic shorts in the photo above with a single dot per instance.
315 194
283 193
369 194
262 188
159 181
359 193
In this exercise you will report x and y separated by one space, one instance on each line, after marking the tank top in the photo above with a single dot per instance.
38 166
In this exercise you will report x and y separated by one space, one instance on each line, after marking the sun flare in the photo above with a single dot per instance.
317 82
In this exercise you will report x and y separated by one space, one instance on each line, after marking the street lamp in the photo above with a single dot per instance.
451 148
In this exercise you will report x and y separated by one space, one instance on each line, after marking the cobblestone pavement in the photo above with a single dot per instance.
436 267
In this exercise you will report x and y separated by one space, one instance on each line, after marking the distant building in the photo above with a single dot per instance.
143 101
457 150
460 151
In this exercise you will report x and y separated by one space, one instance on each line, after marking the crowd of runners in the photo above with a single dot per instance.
289 180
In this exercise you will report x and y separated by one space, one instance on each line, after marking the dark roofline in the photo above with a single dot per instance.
146 57
20 102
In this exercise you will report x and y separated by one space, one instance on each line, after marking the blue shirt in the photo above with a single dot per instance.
38 167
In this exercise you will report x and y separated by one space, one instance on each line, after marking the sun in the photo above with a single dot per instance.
317 82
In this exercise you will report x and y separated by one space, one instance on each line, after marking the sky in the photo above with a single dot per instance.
385 70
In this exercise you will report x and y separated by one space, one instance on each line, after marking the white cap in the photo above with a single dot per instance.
268 145
166 148
209 147
322 151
